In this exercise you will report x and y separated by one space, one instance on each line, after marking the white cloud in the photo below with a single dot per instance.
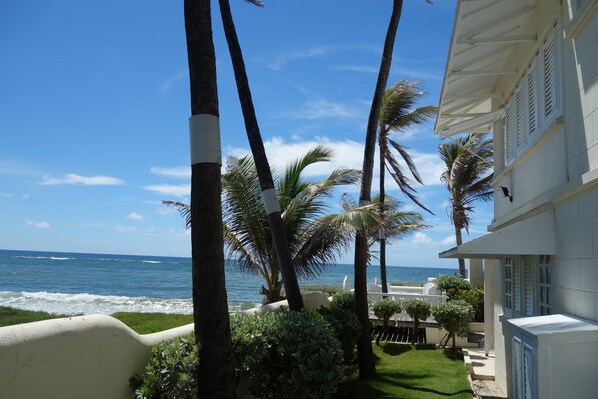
422 239
297 55
124 229
135 216
5 195
450 240
321 109
180 190
25 196
177 172
72 178
171 81
357 68
37 225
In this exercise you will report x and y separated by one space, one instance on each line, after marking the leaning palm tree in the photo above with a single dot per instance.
264 174
210 309
315 237
468 176
397 114
365 354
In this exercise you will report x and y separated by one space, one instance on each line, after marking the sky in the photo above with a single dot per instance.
94 108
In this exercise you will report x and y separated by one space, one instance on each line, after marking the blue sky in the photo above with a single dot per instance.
94 103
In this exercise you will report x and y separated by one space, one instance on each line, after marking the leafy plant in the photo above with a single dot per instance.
418 310
346 329
452 285
386 308
326 289
454 317
344 300
474 297
171 371
287 354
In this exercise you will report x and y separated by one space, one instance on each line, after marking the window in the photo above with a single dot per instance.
509 283
528 285
545 285
535 103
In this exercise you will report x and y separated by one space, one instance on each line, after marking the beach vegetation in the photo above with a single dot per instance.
454 316
171 372
329 290
287 354
468 176
385 308
12 316
346 329
344 301
148 323
316 238
398 112
419 311
474 297
452 285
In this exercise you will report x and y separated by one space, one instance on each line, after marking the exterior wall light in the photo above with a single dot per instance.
505 192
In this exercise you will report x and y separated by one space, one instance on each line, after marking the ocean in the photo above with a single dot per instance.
78 283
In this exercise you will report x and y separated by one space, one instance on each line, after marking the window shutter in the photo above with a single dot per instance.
521 122
509 132
532 98
516 285
528 285
550 106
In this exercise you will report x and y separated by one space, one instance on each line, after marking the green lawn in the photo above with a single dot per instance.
412 372
143 323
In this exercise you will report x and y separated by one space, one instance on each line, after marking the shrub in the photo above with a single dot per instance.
347 329
171 371
386 308
454 317
474 297
344 300
417 310
287 354
325 289
452 285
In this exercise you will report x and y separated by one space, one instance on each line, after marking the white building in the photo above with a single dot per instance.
527 71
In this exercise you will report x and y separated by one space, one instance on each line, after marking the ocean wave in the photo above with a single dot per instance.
43 257
150 261
83 303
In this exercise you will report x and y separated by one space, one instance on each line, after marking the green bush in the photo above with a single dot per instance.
474 297
287 354
452 285
344 300
346 329
171 371
418 310
454 317
325 289
386 308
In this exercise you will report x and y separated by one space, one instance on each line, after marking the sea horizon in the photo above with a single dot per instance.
85 283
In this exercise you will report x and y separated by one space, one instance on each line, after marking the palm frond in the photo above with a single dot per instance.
183 209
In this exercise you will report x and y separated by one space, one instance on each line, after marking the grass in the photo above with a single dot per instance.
142 323
412 372
326 289
147 323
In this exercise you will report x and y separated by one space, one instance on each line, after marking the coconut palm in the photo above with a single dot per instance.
468 161
315 238
210 309
264 174
365 353
397 113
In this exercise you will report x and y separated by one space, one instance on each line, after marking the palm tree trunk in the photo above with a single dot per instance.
459 240
382 235
210 308
289 277
364 344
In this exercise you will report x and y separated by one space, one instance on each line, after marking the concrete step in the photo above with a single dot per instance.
484 389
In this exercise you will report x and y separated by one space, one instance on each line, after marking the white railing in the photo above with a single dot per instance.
403 297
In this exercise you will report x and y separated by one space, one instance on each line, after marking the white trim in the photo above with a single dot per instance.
472 125
270 201
204 139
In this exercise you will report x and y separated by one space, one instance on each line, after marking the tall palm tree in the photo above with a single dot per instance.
397 113
279 238
365 353
468 161
210 308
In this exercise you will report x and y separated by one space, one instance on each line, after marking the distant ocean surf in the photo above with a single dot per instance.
76 283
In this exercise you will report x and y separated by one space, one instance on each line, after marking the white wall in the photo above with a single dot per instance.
89 357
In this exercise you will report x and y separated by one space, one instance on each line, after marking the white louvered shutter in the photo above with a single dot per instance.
549 63
510 132
532 98
528 285
516 285
521 116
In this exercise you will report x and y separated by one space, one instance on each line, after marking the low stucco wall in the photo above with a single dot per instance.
86 356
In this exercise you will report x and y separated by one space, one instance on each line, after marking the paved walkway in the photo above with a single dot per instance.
482 372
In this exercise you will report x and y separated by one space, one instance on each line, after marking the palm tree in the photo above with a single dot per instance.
315 238
210 308
279 238
468 162
365 353
396 115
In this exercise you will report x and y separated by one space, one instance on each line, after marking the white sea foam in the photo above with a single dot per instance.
43 257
